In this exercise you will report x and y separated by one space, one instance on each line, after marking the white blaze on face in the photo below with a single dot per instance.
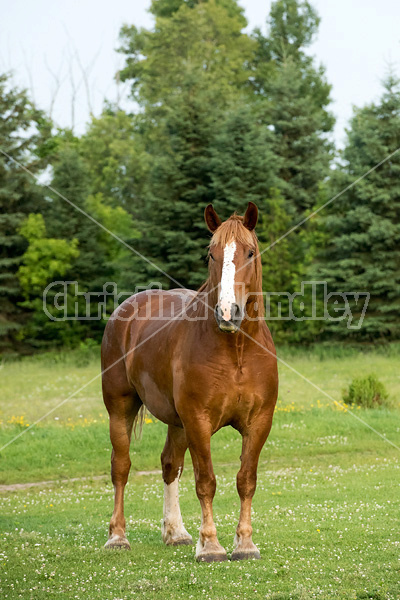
227 293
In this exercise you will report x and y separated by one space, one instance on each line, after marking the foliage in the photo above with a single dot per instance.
87 352
112 149
223 116
195 48
295 96
184 83
243 164
361 249
367 392
45 258
23 134
166 8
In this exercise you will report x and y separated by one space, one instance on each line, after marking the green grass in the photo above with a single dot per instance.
323 530
326 511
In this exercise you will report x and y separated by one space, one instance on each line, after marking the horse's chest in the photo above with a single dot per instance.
221 381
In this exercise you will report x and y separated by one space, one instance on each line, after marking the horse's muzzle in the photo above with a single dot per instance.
235 321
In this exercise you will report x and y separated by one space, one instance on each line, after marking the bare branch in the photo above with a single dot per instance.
56 85
85 71
29 70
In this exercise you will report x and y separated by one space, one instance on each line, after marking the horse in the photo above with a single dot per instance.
197 361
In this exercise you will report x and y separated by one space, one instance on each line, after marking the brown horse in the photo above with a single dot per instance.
166 351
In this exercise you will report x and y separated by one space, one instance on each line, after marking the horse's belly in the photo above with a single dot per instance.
157 400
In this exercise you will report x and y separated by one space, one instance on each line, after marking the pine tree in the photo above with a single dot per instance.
90 267
184 74
297 96
71 179
23 134
361 232
64 244
178 188
294 95
244 166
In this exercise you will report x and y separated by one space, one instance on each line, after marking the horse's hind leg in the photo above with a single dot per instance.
122 411
172 457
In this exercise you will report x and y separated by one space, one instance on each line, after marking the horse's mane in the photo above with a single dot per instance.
233 229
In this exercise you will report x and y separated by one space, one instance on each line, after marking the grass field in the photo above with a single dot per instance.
326 511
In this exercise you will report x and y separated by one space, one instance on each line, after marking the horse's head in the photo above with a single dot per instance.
234 265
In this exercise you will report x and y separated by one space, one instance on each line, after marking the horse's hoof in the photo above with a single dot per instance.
210 552
176 537
181 541
116 542
211 558
243 555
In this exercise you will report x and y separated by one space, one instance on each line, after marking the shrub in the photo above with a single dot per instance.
87 352
367 392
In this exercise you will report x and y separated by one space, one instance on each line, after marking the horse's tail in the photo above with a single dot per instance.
138 422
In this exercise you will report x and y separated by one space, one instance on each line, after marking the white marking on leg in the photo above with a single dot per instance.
200 543
172 528
199 547
227 294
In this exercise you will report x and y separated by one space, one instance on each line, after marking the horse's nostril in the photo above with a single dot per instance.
218 312
235 312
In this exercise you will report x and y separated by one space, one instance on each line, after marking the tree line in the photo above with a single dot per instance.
222 116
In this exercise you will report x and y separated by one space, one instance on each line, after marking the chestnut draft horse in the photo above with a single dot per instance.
197 370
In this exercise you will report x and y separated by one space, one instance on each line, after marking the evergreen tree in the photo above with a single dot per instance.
101 258
23 134
294 95
71 179
360 250
245 168
244 165
185 74
297 95
64 244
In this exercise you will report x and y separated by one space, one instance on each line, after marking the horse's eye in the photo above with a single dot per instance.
211 256
251 253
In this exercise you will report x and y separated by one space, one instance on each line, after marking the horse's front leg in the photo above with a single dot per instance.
208 548
253 441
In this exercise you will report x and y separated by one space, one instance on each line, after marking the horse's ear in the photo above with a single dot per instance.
251 216
211 218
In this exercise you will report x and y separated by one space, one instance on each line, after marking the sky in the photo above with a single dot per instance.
53 47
